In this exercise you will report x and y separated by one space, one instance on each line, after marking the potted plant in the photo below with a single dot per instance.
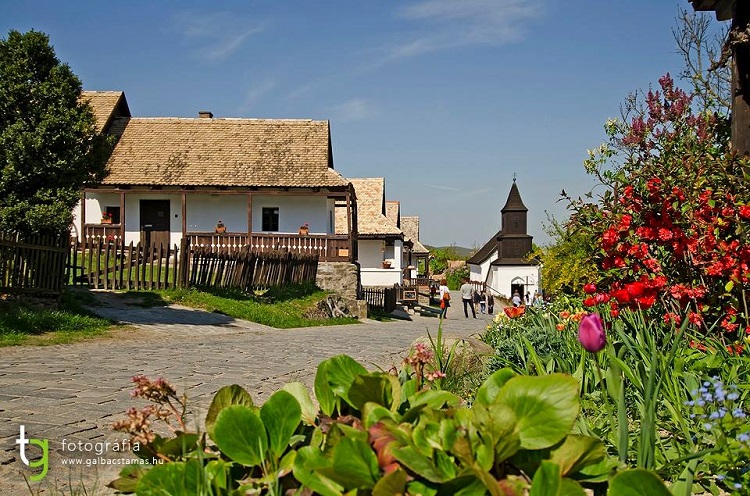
387 264
220 227
106 218
304 229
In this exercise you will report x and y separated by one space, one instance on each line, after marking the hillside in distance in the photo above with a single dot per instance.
461 251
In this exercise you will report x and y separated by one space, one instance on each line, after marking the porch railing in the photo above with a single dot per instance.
329 248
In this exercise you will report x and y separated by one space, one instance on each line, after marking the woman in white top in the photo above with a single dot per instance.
444 301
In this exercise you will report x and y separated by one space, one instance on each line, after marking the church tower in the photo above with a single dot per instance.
514 241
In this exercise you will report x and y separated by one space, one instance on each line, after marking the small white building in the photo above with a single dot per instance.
380 242
501 263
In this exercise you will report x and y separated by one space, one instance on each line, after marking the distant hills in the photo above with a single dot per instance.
460 250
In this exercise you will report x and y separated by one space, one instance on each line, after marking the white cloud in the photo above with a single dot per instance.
356 109
218 35
448 24
254 93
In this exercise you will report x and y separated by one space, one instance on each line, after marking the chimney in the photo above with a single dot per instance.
205 114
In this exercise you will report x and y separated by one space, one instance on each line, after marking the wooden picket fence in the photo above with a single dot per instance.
102 264
32 264
379 298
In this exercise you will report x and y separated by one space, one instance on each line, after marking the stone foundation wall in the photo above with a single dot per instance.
341 278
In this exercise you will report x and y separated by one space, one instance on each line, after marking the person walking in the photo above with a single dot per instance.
490 302
483 302
467 296
445 298
516 299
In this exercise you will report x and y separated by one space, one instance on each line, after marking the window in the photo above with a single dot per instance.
114 214
270 218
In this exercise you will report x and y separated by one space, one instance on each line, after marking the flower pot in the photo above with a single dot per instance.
304 231
221 230
106 221
386 265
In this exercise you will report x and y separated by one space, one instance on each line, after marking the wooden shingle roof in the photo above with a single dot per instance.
410 226
104 104
371 219
224 152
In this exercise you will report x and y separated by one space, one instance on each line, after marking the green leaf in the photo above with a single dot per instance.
419 463
177 478
377 388
569 487
546 480
390 484
577 452
239 433
489 390
373 413
323 391
302 395
355 464
307 463
224 397
499 422
545 407
729 286
217 473
435 399
129 477
637 482
281 414
179 446
334 378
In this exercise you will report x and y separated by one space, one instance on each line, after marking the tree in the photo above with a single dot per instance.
49 146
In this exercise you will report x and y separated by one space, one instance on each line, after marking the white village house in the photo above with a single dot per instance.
269 182
380 242
501 263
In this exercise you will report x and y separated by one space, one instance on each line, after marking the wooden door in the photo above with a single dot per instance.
155 222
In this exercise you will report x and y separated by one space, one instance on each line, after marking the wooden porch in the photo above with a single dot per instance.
329 248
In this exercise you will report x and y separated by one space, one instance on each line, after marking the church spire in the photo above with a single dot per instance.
514 203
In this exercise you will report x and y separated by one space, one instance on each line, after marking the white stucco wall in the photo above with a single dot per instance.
205 210
503 276
372 252
293 212
379 277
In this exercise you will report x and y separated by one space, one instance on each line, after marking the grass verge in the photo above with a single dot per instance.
24 324
283 308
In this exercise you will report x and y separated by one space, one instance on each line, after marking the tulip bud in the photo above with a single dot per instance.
589 288
591 333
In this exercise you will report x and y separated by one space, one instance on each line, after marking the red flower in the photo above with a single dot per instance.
744 211
589 302
589 288
514 312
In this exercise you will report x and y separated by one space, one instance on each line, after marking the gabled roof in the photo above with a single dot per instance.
371 219
514 202
410 226
393 212
106 104
224 152
485 251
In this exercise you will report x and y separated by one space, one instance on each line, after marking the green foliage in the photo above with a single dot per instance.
646 395
567 262
378 435
49 146
282 308
456 277
21 323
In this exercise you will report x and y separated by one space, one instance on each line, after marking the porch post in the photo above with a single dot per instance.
82 234
122 217
183 213
349 223
249 217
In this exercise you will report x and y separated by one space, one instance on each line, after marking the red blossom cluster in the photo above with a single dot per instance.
674 232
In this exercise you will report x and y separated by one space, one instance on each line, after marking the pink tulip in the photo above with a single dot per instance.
591 333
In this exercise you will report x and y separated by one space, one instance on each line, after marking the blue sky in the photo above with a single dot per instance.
446 99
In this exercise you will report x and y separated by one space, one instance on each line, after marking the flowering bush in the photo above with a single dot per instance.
673 226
